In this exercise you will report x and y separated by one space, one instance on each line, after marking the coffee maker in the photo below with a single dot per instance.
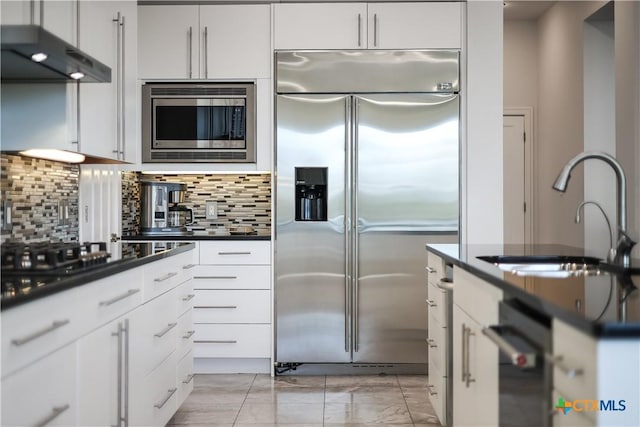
162 209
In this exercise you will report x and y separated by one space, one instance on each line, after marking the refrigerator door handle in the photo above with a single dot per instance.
355 224
347 229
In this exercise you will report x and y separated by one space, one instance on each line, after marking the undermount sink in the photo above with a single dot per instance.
558 266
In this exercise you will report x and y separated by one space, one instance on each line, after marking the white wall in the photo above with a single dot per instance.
521 64
482 191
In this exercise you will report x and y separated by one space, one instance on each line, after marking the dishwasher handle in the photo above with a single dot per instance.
518 358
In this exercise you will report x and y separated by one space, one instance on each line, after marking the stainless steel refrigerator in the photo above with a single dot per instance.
367 166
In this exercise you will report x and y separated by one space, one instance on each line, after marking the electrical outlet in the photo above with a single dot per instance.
7 219
63 212
211 210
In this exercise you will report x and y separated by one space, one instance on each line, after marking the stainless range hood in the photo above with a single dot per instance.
62 62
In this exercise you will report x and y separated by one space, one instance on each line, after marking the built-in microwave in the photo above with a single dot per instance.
199 122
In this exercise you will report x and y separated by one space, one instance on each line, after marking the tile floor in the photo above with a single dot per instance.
248 400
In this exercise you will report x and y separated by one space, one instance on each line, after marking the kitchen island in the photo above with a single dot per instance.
588 360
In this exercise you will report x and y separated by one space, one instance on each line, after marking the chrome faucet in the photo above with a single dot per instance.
612 252
625 242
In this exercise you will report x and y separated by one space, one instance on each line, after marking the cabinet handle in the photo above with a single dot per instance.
122 91
517 358
375 30
118 298
216 306
206 55
234 253
125 334
431 343
188 379
188 266
188 297
188 335
189 48
430 387
57 410
118 335
216 342
558 362
166 277
431 303
216 277
171 391
431 270
55 325
163 332
359 30
467 356
116 20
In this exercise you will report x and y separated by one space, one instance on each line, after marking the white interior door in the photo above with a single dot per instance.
514 169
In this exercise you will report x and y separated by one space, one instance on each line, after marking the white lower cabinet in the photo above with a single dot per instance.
43 393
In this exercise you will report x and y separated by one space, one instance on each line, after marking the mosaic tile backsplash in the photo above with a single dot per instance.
35 187
242 199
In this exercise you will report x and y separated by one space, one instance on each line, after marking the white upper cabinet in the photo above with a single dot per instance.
108 110
56 16
368 25
204 42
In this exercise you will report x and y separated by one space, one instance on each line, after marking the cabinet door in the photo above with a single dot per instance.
99 357
227 52
320 26
168 40
414 25
56 16
107 123
475 373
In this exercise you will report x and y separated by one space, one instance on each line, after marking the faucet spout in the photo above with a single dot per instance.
623 251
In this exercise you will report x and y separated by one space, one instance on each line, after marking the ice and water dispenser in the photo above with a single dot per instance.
311 194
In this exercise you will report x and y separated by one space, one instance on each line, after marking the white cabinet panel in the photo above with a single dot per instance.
232 306
154 399
232 277
184 378
220 340
43 391
235 252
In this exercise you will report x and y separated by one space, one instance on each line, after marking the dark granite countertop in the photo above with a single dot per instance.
593 304
196 237
19 288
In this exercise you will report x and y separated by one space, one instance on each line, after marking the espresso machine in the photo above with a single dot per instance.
162 209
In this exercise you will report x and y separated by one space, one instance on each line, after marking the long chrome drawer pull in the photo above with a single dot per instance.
188 379
55 325
234 253
215 277
188 266
216 306
118 298
216 342
558 362
188 297
431 303
167 277
431 343
523 360
431 270
188 335
169 327
166 399
430 387
57 410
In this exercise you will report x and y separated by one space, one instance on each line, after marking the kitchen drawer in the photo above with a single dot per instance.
437 343
185 333
41 390
233 341
154 399
33 330
477 298
235 252
166 273
435 269
107 299
232 306
436 391
437 302
578 351
184 297
184 378
232 277
153 329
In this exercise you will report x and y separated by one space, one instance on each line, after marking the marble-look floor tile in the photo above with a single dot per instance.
202 414
366 413
266 382
364 394
362 380
407 381
201 425
276 425
364 425
217 397
286 395
227 382
281 413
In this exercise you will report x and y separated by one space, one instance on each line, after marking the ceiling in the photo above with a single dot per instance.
525 9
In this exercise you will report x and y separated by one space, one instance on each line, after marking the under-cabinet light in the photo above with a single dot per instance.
39 57
76 75
52 154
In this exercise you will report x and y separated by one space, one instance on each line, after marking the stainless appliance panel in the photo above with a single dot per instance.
312 291
360 71
407 182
